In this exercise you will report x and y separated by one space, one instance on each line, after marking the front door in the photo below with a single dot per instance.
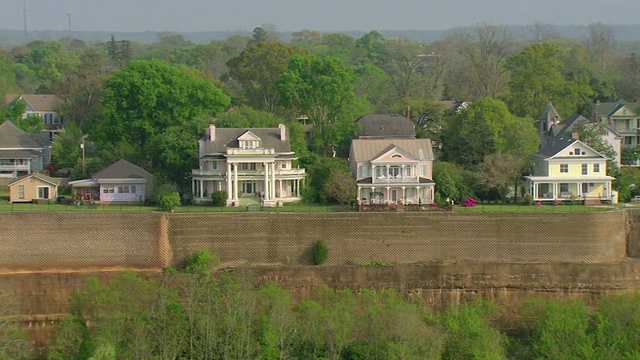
248 188
394 195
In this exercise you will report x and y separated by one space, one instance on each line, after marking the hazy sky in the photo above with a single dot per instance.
321 15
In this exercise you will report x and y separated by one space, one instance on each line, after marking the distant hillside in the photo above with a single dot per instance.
10 38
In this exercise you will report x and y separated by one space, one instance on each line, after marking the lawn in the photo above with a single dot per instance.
534 209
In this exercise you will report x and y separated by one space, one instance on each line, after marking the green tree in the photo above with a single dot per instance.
257 68
323 90
471 335
320 174
451 181
160 110
483 128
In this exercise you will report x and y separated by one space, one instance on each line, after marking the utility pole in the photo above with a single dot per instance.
24 16
83 162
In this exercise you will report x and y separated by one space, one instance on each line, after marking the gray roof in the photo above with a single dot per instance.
228 138
12 137
368 149
19 154
570 123
38 102
557 145
389 125
120 170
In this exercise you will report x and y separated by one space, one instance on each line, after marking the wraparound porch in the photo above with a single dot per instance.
543 188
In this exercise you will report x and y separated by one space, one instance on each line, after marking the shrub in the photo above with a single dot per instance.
320 252
219 198
527 199
169 200
200 262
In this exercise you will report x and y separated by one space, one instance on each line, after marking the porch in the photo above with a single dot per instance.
545 189
401 195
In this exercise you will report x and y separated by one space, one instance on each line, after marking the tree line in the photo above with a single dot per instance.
195 316
151 103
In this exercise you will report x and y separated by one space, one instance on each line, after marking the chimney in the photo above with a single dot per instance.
212 132
575 136
283 132
598 102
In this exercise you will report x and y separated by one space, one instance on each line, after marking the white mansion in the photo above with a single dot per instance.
254 162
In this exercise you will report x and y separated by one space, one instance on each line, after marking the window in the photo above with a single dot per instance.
394 171
423 170
364 171
123 189
249 144
585 169
564 188
396 156
43 192
108 189
596 168
20 191
247 166
564 168
133 189
283 165
56 119
577 152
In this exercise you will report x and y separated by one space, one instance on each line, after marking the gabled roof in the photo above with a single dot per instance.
566 127
558 145
248 135
386 125
120 170
549 113
609 108
393 147
368 149
41 177
37 102
12 137
228 138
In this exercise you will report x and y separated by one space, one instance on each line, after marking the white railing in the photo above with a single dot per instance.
395 179
259 151
5 167
199 172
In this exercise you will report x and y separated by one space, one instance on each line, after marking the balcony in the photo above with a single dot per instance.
199 172
241 172
395 179
14 167
259 151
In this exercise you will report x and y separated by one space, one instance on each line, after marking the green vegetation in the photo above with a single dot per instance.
169 200
219 198
227 316
320 252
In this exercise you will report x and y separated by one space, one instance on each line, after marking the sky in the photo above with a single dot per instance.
295 15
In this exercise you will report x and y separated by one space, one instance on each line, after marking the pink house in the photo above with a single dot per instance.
393 171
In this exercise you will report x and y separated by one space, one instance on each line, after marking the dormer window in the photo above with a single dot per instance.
249 144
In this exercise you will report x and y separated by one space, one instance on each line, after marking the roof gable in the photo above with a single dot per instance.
369 149
566 148
12 137
624 110
394 153
120 170
37 102
41 178
248 135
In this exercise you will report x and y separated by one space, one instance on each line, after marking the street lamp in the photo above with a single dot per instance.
83 162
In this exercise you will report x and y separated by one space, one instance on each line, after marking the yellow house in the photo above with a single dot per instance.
568 169
33 187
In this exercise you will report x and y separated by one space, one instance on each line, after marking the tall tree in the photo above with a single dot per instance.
602 44
501 171
256 70
153 107
323 90
483 128
485 48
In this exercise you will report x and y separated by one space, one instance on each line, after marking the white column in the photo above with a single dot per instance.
298 188
280 187
235 182
265 188
419 198
373 173
388 190
403 177
193 187
273 179
201 190
404 191
229 189
388 175
554 190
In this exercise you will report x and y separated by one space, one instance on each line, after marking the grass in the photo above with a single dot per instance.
307 208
